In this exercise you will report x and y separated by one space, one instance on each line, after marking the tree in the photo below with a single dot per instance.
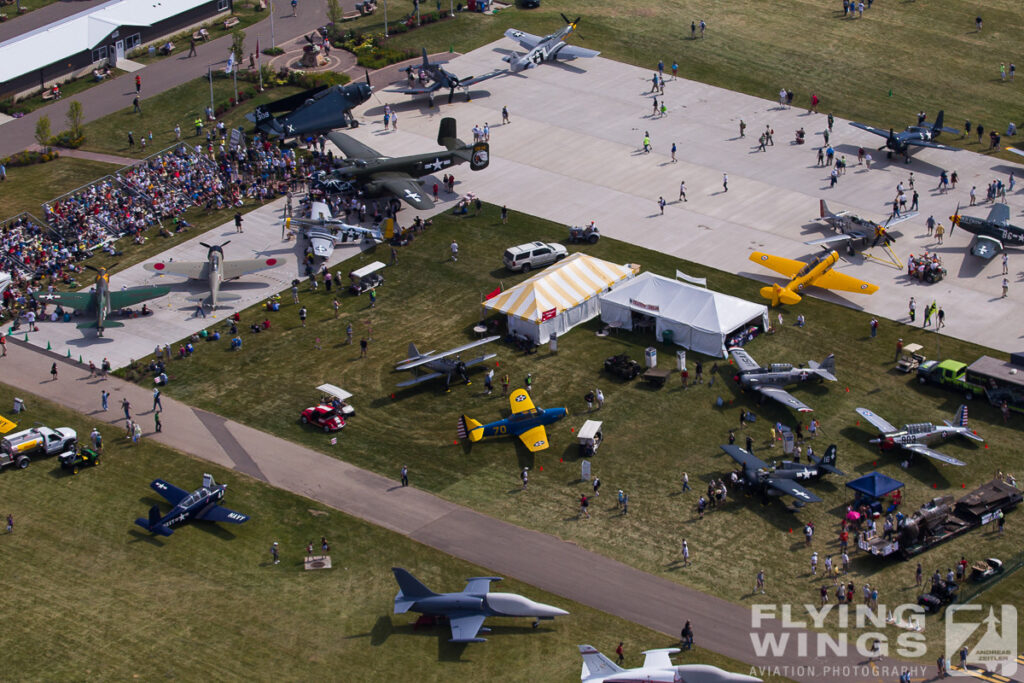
334 11
75 119
43 133
238 45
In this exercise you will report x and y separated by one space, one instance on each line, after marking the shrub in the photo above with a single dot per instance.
273 51
30 158
67 139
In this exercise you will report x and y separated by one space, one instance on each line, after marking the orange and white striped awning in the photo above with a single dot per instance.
560 287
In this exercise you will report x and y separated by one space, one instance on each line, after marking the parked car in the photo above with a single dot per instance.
323 416
526 257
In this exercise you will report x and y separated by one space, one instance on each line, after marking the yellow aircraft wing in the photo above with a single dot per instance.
536 439
6 425
846 283
783 266
520 401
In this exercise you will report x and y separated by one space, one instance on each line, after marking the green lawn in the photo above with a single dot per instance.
97 598
27 187
652 436
898 59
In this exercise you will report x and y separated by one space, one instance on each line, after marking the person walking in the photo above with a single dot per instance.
53 372
1006 287
597 486
682 190
238 221
525 476
759 582
661 205
599 396
686 554
191 48
362 347
138 83
686 482
725 182
405 475
454 248
156 400
157 425
618 652
913 309
489 380
10 523
302 316
273 548
1006 264
105 399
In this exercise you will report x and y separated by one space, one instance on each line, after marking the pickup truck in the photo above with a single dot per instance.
38 440
949 373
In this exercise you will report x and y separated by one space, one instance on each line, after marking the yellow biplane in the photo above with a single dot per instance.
818 273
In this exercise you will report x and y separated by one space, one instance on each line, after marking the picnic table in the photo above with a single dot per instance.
656 377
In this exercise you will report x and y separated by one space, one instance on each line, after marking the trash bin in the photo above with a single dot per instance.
651 357
666 336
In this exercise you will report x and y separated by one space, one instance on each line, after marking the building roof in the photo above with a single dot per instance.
1003 372
83 31
558 287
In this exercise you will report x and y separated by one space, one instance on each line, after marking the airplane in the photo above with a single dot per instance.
526 422
443 364
818 273
312 112
992 234
440 78
780 479
100 301
917 437
201 504
398 175
851 227
913 136
325 232
657 668
467 609
215 270
769 381
548 48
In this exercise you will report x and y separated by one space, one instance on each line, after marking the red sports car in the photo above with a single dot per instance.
325 417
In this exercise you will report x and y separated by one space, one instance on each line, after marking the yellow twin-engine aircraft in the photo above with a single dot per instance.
818 273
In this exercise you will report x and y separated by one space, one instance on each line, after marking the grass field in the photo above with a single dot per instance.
97 598
652 436
900 58
27 187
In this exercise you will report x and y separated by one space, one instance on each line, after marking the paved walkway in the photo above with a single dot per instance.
535 558
91 156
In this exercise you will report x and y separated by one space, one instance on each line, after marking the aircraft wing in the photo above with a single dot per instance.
791 488
573 52
999 213
218 513
233 269
921 449
6 425
406 188
420 379
535 439
135 295
744 457
527 40
409 365
418 90
196 270
466 82
833 280
659 659
784 397
881 424
870 129
352 148
520 401
171 493
834 239
783 266
906 216
465 628
1014 150
934 145
82 301
986 247
743 359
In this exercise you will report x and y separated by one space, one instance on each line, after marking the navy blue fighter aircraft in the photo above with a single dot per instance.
200 504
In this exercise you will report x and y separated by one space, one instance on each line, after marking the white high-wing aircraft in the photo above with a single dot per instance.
657 668
549 48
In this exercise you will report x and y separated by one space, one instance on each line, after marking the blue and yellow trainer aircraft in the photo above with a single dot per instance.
526 421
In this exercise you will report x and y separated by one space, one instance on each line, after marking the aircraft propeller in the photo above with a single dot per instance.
954 220
204 244
101 270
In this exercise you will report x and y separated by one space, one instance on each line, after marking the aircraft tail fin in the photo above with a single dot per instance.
828 461
426 61
596 665
153 523
414 353
823 211
409 590
777 295
447 134
829 365
960 419
938 123
470 429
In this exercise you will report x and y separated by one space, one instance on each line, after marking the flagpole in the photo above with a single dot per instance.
209 76
272 43
259 62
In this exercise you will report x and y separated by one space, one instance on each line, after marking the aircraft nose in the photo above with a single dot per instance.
549 611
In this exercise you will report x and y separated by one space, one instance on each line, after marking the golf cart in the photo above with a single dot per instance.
590 437
366 278
585 233
910 358
337 398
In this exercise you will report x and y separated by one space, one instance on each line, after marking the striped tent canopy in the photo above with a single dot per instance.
559 287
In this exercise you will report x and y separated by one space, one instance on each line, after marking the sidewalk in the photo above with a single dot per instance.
535 558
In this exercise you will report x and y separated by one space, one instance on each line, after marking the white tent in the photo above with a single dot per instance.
700 319
559 297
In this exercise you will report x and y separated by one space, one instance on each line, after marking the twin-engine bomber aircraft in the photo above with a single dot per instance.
215 270
548 48
917 437
201 504
378 174
818 273
769 381
445 364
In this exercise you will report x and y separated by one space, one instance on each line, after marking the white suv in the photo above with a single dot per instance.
526 257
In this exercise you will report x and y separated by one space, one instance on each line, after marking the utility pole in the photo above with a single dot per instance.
272 43
385 3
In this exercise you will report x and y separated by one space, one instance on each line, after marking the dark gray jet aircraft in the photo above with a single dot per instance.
780 479
769 381
467 609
